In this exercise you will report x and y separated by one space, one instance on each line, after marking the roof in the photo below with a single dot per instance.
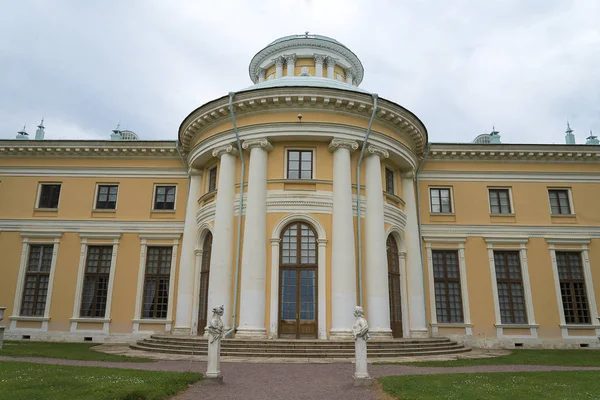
310 81
320 37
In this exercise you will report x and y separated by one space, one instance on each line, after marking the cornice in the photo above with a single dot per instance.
513 152
511 231
299 98
87 149
40 226
107 172
315 44
509 176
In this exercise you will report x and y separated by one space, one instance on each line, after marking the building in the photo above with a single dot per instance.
492 244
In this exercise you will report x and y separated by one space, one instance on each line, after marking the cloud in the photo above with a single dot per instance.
460 66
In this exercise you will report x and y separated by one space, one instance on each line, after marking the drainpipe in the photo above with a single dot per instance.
239 221
359 236
419 224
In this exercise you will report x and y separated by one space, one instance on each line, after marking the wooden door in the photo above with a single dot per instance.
394 287
298 282
204 274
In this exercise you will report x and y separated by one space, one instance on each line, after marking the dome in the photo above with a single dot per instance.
482 139
320 37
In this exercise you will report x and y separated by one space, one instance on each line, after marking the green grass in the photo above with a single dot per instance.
19 380
578 385
576 358
67 351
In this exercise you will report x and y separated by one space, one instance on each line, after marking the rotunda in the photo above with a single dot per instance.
302 202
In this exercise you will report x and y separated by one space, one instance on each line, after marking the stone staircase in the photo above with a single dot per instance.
280 348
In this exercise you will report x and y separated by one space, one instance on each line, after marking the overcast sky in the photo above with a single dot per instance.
460 66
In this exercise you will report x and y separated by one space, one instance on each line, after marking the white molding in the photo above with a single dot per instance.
91 172
42 235
203 230
445 240
568 241
88 149
513 153
30 319
99 236
498 240
160 236
26 243
140 285
48 228
502 176
512 231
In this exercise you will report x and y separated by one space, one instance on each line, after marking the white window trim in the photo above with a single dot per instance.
164 240
52 238
39 195
451 200
500 244
95 205
571 203
314 162
580 246
510 200
76 317
154 197
464 292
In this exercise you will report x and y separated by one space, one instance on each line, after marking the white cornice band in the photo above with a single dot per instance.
39 226
121 172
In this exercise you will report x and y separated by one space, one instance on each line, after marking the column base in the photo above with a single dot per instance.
212 379
419 333
363 381
341 334
251 333
381 334
182 330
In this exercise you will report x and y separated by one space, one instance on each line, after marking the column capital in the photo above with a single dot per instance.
275 241
350 71
378 151
330 61
262 73
408 174
342 144
319 58
227 149
195 172
279 61
290 58
260 143
322 242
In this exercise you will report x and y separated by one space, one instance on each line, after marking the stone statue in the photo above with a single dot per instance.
360 329
215 334
2 309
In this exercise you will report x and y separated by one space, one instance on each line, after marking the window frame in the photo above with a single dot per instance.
451 194
571 205
97 195
157 276
286 170
38 274
446 281
155 192
511 210
97 275
39 195
209 173
509 282
571 283
391 180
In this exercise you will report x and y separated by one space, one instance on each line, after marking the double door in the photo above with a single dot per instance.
298 303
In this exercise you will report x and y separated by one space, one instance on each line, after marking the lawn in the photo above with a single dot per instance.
522 385
19 380
68 351
575 358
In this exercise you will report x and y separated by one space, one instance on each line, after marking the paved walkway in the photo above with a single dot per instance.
253 381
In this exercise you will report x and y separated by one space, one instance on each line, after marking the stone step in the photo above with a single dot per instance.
269 349
319 354
297 342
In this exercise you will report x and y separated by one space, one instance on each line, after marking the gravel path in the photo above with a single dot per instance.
291 381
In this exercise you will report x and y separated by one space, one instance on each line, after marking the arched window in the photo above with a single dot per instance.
204 274
394 280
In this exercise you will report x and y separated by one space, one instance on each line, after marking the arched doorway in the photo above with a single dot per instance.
298 282
204 275
394 286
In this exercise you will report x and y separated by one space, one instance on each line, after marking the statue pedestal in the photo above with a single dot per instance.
213 364
1 337
361 376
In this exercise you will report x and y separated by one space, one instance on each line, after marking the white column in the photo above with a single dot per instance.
319 60
416 295
330 66
220 282
278 66
349 76
290 60
376 285
254 256
343 258
261 74
185 289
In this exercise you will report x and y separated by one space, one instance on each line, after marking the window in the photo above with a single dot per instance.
559 201
106 198
95 282
49 195
212 179
499 201
156 282
448 299
510 287
572 287
299 164
37 279
389 181
440 200
164 198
